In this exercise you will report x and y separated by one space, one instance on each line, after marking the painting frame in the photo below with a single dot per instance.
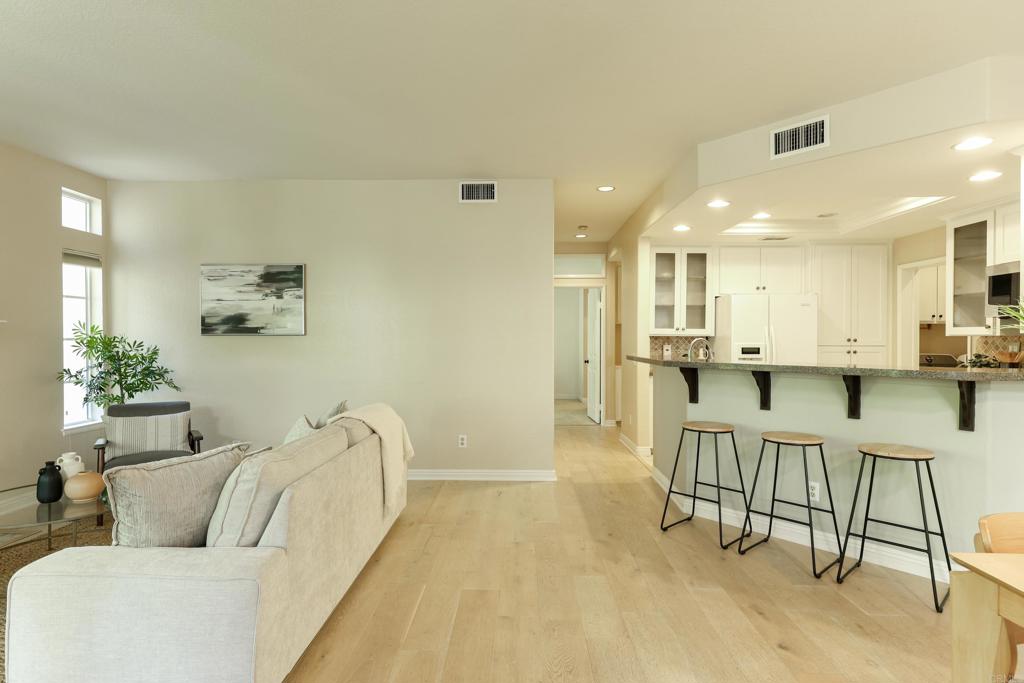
259 299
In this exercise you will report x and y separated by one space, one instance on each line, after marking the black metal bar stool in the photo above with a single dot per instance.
701 428
897 452
802 440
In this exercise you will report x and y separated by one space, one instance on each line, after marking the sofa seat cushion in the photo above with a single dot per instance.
147 456
251 493
169 502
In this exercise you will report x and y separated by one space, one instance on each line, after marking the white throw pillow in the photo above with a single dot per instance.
250 494
301 428
128 435
169 503
333 411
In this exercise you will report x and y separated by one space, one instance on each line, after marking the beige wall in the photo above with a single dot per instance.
442 309
31 407
919 247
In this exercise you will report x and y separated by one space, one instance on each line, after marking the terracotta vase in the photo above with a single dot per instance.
84 487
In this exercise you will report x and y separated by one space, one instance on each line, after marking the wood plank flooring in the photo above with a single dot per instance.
573 582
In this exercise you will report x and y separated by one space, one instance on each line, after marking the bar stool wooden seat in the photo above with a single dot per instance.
897 453
701 428
802 441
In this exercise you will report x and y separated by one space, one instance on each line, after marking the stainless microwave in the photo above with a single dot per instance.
1003 288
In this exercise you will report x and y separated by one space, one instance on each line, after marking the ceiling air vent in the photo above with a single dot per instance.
800 138
475 191
774 239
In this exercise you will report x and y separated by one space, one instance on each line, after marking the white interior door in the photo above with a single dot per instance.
595 310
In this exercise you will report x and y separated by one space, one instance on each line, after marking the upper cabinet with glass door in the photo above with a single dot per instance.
682 298
966 246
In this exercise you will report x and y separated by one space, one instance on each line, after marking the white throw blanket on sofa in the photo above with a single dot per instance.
396 448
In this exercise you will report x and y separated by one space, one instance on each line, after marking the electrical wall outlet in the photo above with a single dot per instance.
814 488
463 441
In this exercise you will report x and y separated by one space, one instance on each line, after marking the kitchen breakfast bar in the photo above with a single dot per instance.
971 418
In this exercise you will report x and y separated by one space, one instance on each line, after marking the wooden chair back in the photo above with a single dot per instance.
1002 532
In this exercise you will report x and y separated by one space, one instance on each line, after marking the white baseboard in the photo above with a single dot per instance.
609 423
482 475
639 451
882 555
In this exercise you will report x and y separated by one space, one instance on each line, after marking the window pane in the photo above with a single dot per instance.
74 313
75 411
72 361
74 212
74 280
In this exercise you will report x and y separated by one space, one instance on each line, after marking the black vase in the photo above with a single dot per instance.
49 486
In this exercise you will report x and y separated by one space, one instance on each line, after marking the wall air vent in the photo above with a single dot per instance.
802 137
476 191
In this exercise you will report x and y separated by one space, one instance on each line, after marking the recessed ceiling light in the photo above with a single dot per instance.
976 142
718 203
982 176
605 188
761 216
581 235
681 228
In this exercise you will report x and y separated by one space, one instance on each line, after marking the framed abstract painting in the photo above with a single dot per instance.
266 299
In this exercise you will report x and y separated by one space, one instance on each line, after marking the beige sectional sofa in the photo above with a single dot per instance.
211 614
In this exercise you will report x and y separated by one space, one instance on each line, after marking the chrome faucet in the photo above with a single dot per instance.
704 350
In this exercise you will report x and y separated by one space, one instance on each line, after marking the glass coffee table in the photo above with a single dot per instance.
20 511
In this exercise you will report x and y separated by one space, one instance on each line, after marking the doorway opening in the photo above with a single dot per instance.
921 297
579 371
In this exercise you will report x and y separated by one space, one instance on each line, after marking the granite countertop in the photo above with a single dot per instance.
960 374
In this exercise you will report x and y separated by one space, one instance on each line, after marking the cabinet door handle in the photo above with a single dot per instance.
847 351
855 350
940 316
855 339
848 339
933 315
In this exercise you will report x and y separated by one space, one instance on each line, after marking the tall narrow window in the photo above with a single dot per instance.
82 302
80 212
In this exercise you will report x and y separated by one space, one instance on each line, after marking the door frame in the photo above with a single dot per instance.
907 322
594 283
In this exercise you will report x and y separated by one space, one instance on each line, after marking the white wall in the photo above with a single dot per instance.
31 240
442 309
568 343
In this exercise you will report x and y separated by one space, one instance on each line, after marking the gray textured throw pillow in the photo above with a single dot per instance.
169 503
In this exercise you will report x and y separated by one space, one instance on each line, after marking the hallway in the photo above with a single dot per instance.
573 581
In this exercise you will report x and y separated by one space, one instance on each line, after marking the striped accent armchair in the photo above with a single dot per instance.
146 432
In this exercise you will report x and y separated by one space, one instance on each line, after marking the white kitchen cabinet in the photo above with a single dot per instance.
852 284
967 254
783 270
682 296
931 294
869 357
739 270
1004 243
834 356
870 289
761 270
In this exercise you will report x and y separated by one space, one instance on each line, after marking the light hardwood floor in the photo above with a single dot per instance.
573 581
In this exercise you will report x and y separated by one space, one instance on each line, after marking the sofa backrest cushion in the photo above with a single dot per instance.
143 433
251 493
169 503
357 430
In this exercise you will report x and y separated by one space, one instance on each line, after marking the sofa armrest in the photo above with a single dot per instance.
195 439
141 614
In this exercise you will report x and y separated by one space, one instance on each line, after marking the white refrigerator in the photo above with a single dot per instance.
776 329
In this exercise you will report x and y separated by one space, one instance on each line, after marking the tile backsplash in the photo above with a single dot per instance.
679 346
992 345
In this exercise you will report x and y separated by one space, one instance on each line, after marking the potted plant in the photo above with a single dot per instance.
117 368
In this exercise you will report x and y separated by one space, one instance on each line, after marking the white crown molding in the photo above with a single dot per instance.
482 475
882 555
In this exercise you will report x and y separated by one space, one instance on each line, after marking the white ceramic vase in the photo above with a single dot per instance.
70 465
